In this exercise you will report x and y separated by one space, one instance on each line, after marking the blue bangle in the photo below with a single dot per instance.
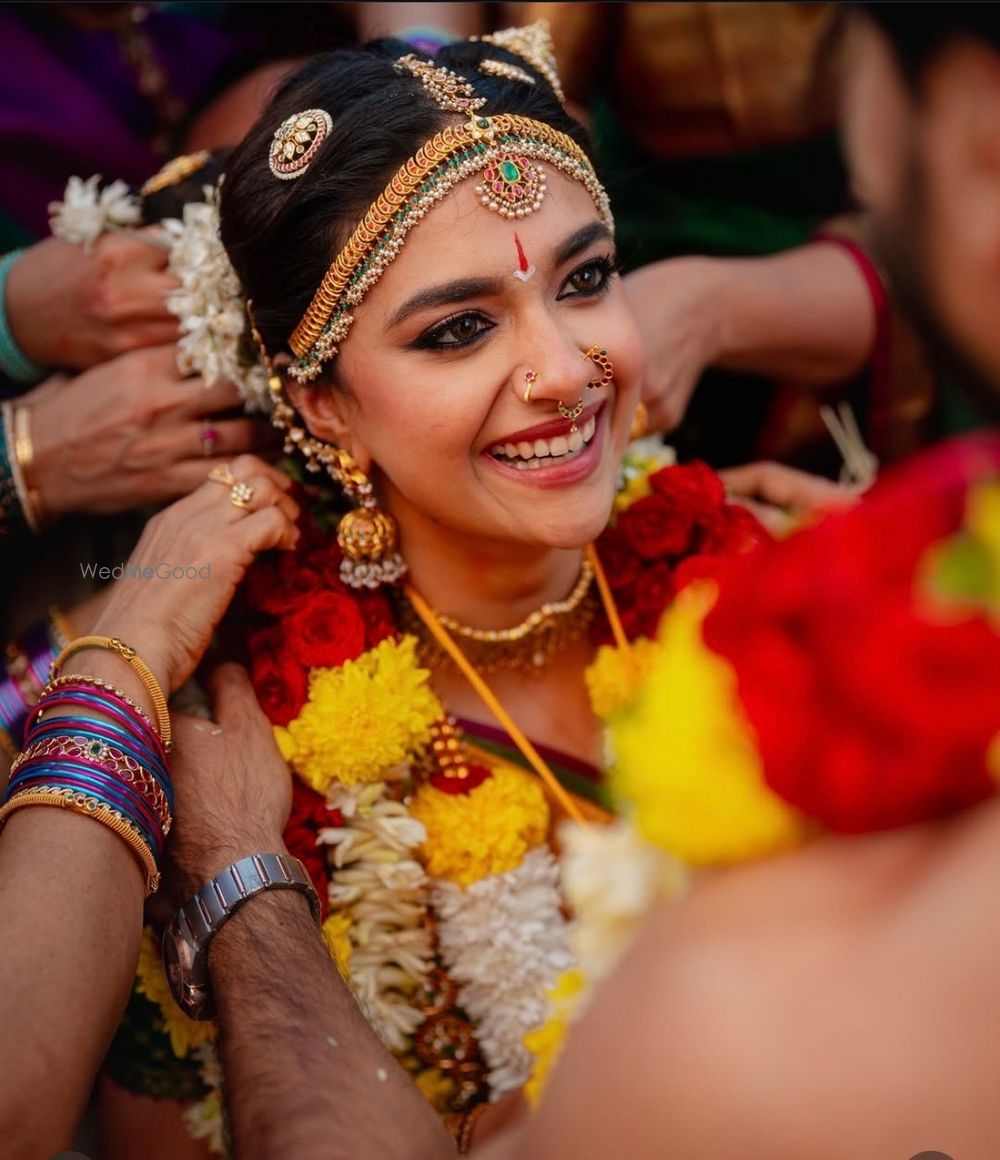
14 363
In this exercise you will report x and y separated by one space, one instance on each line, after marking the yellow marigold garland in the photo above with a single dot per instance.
614 678
362 718
545 1043
337 933
185 1034
685 757
487 831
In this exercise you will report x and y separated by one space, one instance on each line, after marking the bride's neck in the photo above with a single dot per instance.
482 582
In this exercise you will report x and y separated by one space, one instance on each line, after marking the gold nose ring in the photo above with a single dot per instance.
599 357
572 413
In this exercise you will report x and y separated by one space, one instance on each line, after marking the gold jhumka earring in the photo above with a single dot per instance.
366 534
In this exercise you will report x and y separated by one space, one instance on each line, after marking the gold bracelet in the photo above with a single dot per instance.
69 799
128 654
27 496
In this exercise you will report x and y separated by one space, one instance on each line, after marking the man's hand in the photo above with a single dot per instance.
233 791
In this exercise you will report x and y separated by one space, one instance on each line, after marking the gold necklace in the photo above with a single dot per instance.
527 647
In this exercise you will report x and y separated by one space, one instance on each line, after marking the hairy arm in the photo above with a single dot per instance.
305 1075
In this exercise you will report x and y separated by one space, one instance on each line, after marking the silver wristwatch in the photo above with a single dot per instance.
186 939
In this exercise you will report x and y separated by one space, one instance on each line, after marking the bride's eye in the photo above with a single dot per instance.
457 331
590 279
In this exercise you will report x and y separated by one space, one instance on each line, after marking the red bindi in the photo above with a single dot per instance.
522 261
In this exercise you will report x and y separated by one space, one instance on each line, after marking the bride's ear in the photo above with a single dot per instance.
328 412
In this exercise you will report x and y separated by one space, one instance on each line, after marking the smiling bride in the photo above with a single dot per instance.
429 262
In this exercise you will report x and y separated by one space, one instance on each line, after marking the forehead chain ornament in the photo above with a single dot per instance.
512 185
296 142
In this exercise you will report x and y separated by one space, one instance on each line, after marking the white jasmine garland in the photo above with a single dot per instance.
204 1119
87 212
505 942
377 879
209 304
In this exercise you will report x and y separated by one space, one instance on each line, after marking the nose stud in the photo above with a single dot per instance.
530 378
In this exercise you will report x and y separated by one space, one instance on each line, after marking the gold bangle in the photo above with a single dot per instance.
92 807
27 496
128 654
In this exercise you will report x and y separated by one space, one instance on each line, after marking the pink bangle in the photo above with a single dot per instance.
880 360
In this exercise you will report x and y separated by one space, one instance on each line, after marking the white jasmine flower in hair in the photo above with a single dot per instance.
209 304
86 212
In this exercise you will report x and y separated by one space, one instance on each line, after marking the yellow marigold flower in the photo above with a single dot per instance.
637 487
185 1034
362 718
545 1043
686 763
436 1088
487 831
337 932
614 678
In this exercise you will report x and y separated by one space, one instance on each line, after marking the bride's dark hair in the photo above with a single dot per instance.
282 235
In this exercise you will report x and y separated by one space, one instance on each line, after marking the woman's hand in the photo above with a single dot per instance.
183 572
233 792
675 304
782 497
128 433
72 308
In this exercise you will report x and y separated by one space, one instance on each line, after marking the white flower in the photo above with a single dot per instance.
204 1119
209 305
376 877
612 878
506 942
84 213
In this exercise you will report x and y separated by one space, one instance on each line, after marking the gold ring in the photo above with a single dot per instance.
222 474
240 495
530 378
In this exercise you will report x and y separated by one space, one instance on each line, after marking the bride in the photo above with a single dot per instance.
428 258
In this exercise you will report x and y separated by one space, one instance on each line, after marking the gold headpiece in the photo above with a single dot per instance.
502 148
296 142
503 68
448 90
176 170
532 43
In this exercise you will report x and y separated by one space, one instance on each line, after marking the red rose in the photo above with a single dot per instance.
732 529
691 488
376 612
654 590
701 567
655 528
620 562
326 631
873 705
279 680
309 815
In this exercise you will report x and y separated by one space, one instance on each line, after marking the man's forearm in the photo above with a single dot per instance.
305 1075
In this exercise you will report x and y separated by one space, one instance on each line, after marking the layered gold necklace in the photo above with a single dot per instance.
527 647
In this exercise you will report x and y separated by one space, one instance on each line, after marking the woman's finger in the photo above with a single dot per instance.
226 436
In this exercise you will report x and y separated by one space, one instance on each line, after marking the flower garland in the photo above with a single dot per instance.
844 681
444 905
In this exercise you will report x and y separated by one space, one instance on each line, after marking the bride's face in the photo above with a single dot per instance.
429 385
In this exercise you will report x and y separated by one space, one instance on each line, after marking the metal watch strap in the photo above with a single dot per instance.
217 900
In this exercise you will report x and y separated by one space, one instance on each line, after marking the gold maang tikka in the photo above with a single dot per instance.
366 534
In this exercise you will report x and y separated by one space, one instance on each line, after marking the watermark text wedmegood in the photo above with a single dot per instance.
132 571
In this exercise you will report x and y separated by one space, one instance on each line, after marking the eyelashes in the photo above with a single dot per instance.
460 330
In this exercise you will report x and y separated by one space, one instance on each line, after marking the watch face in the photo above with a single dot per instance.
185 968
